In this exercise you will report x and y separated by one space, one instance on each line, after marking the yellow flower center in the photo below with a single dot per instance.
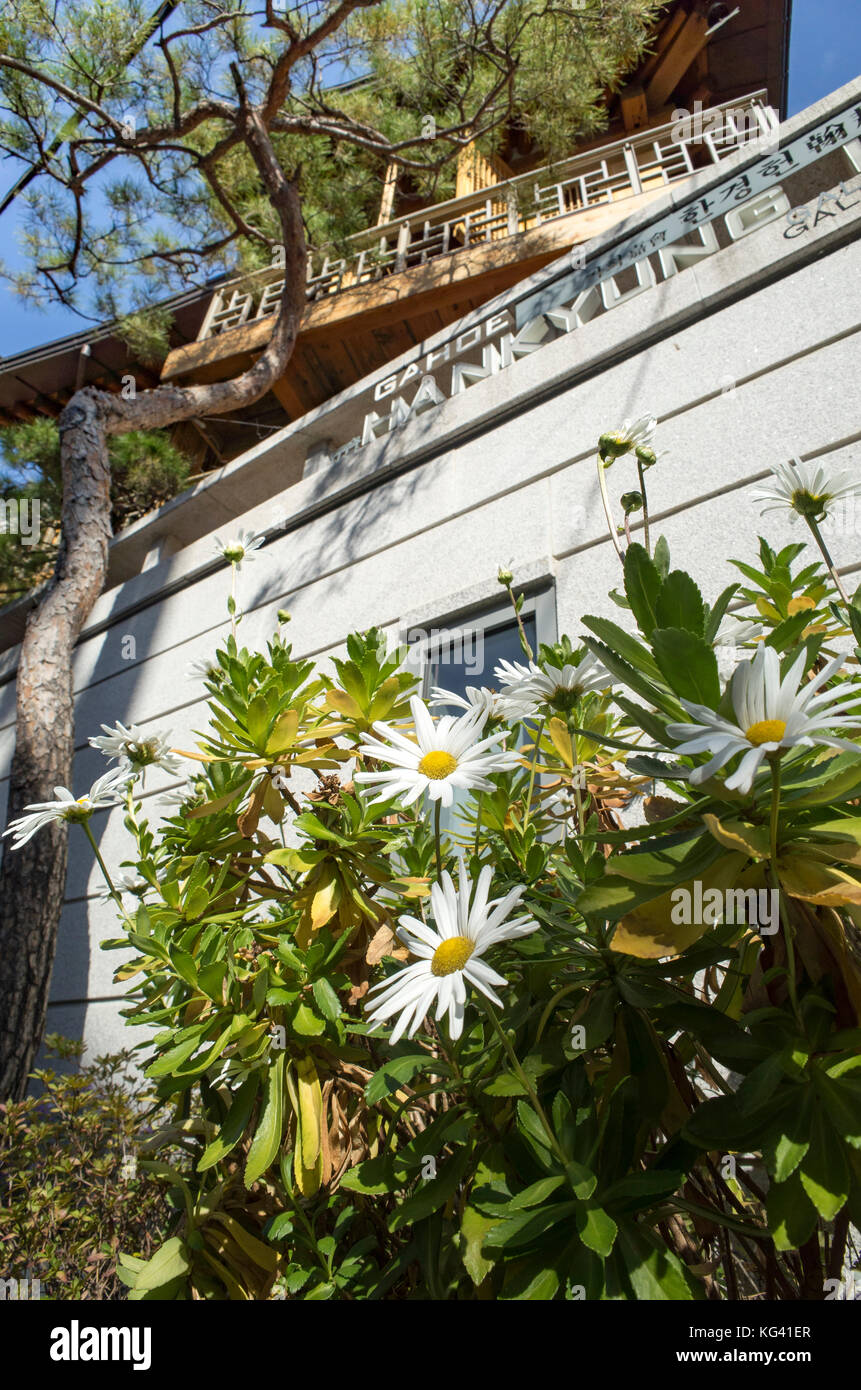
765 731
451 955
436 766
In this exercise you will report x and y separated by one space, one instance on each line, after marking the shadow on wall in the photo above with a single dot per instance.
114 684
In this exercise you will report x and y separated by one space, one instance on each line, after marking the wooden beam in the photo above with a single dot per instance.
286 394
634 107
674 63
665 34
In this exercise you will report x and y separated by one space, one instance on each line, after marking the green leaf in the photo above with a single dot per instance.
235 1124
662 556
506 1084
717 613
688 664
535 1194
785 1152
327 1000
642 1189
791 1214
432 1193
305 1022
393 1073
267 1139
680 604
529 1124
596 1229
642 586
634 679
529 1279
169 1262
824 1171
525 1227
840 781
258 721
841 1100
624 643
655 1273
473 1228
372 1177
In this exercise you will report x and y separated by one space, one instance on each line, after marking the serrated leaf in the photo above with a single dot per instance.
680 604
688 664
642 586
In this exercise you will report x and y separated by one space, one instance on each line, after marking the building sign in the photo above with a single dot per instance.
744 202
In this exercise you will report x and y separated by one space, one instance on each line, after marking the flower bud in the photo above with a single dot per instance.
647 456
631 502
611 447
505 578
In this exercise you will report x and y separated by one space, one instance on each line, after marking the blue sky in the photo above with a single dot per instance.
825 52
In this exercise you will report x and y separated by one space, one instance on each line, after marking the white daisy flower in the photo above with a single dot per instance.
631 434
106 791
204 669
126 881
137 749
734 632
806 489
450 955
178 796
772 714
239 547
492 704
444 757
559 686
729 643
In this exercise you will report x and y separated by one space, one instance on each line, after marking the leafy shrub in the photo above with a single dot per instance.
73 1194
664 866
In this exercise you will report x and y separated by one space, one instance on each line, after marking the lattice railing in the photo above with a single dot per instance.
599 177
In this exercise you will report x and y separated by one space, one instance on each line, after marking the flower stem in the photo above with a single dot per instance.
532 773
787 924
826 555
642 477
524 642
609 515
104 868
775 808
437 811
524 1081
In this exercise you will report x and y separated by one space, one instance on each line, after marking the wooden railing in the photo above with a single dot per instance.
606 175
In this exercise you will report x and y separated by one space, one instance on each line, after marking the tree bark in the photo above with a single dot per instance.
32 878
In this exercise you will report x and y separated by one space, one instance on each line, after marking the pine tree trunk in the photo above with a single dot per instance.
32 878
